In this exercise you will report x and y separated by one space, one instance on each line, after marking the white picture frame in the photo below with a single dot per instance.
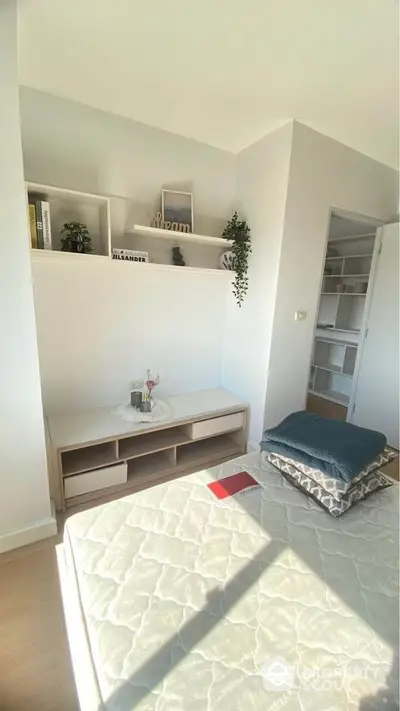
177 210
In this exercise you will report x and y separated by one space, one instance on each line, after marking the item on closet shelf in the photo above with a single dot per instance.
327 271
177 257
349 289
77 238
177 210
340 288
136 398
130 255
226 260
332 252
360 287
238 232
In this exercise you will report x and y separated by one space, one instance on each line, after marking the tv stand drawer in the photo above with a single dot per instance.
217 425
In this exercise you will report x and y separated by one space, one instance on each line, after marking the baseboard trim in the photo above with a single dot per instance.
31 534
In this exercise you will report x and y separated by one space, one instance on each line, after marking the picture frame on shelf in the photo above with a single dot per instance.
177 210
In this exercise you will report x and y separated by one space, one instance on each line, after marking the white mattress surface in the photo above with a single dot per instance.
260 602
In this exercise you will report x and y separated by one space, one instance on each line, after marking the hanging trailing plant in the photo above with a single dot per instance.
239 232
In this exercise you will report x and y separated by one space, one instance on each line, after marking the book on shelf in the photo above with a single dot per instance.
32 225
40 224
46 226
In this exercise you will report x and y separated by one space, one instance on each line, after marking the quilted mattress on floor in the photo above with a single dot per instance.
259 602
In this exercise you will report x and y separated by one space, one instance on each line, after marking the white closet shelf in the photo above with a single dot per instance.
347 256
338 330
336 341
160 233
342 293
332 395
73 258
332 368
347 276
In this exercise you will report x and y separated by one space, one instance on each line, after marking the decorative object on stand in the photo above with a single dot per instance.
239 232
136 398
177 210
160 224
226 260
146 404
130 255
150 384
177 257
77 238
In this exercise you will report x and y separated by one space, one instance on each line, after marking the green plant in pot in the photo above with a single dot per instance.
77 238
238 232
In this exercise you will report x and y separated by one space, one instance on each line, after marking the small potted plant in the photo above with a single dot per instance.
77 238
238 232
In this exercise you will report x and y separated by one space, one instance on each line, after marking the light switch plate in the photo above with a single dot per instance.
300 315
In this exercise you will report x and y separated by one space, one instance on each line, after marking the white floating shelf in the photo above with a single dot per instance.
73 258
174 235
66 195
49 255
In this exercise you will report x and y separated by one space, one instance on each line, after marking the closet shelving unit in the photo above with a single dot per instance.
341 317
95 211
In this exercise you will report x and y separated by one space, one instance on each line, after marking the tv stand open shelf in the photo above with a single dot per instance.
95 454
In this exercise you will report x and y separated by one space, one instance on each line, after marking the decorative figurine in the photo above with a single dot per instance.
177 257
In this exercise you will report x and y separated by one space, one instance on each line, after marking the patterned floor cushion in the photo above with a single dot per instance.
336 487
374 481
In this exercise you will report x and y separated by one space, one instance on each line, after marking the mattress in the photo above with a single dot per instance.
258 601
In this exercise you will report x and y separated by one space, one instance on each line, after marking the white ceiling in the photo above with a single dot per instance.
225 72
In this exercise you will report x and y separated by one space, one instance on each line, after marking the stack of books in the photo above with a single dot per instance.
39 222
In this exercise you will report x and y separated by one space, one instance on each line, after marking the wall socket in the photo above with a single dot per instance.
137 384
300 315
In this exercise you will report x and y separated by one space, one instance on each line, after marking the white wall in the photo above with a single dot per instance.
171 323
262 180
101 326
323 174
72 145
24 495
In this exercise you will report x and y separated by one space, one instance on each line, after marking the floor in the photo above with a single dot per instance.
35 669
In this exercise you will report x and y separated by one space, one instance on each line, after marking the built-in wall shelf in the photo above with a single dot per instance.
41 255
346 274
201 252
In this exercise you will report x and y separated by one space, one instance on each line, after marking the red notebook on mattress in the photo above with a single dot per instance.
233 484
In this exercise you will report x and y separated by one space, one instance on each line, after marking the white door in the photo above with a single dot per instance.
377 388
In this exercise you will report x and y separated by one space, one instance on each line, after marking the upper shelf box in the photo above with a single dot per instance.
74 206
174 235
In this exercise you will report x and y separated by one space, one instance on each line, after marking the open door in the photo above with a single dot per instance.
376 397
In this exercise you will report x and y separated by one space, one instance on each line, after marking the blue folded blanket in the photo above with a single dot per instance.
338 449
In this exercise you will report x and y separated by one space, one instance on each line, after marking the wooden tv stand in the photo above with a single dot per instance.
95 454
